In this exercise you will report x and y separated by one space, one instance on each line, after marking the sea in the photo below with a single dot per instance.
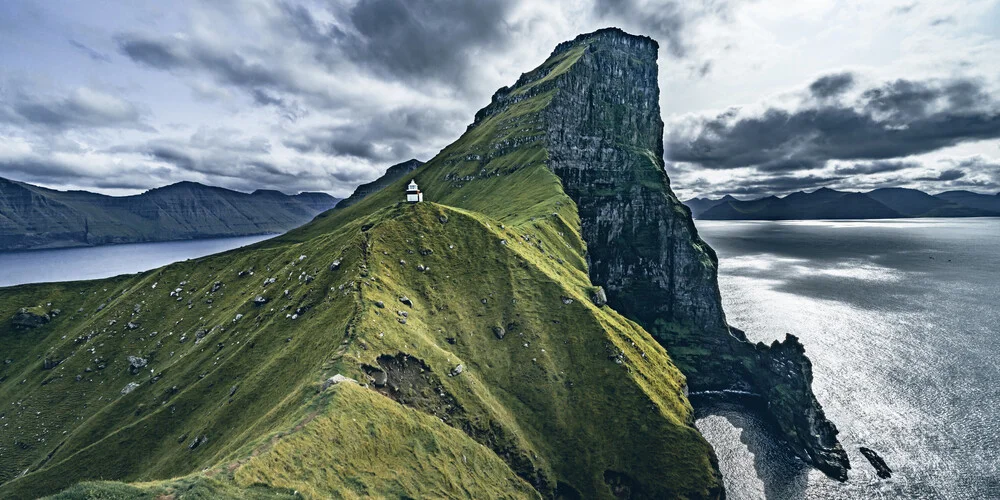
901 319
86 263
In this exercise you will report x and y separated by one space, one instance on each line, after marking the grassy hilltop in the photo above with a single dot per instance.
486 367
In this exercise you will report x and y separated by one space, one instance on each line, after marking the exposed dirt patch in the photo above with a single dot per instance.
410 381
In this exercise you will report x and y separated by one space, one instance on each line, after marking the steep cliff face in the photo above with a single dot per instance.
604 137
35 217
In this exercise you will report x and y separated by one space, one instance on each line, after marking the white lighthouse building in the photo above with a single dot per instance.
413 194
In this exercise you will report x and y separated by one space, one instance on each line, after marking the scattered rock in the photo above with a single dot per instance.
379 378
499 332
426 251
49 363
566 300
443 219
132 326
451 340
135 363
421 268
406 300
457 370
259 300
129 387
198 441
338 379
238 317
600 298
881 468
379 304
216 286
26 319
335 265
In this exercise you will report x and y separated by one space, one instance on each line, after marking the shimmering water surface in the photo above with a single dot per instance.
70 264
901 319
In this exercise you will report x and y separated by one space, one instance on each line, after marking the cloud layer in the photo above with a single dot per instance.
310 95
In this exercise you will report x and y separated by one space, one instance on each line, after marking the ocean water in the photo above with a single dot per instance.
70 264
901 319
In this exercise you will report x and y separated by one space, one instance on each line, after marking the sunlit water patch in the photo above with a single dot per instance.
900 319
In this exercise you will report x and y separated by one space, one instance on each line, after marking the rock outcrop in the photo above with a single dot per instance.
26 318
604 135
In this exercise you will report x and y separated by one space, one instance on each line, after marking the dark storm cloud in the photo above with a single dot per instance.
947 175
665 21
82 107
897 119
48 170
424 38
173 155
411 41
765 185
380 138
875 167
832 85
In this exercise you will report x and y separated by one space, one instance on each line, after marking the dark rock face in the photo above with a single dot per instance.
604 137
881 468
26 319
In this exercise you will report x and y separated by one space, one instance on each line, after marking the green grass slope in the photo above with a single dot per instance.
487 369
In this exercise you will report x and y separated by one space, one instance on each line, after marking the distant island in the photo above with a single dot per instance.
825 203
33 217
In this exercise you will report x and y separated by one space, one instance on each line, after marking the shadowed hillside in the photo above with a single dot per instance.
35 217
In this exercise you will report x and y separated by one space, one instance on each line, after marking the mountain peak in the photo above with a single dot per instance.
609 34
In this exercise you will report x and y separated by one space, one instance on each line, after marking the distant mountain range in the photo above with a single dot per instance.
824 203
34 217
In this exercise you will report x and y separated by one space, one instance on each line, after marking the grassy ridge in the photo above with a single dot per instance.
571 399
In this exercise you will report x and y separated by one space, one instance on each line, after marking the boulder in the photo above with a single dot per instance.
259 300
499 332
135 363
26 319
379 378
337 379
599 298
406 300
457 370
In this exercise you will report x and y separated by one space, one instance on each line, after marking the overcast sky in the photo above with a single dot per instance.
759 97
